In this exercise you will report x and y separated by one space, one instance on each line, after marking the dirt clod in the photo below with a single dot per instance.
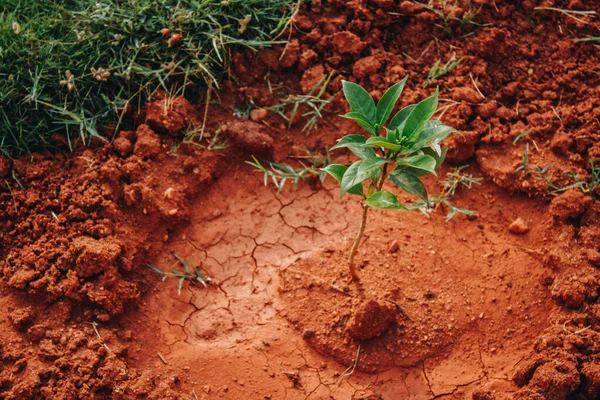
570 204
171 115
148 142
249 136
123 146
370 320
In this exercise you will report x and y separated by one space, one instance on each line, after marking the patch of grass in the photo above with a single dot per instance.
67 67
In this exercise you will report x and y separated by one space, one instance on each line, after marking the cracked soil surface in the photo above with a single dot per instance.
463 309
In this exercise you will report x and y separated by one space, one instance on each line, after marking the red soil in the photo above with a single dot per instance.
490 307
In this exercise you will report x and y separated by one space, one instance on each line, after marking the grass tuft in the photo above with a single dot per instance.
67 67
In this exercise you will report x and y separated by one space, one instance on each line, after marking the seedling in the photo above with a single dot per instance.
409 150
587 187
280 173
191 273
313 100
454 180
436 71
446 10
524 161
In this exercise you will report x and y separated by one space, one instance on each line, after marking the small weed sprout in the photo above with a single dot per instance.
315 102
524 161
587 187
409 150
455 180
445 12
436 71
280 173
190 273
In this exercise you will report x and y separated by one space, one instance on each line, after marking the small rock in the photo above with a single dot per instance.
258 114
393 247
518 226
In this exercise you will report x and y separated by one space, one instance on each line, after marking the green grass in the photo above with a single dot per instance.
43 42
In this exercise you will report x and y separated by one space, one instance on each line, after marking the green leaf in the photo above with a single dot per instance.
348 178
419 115
354 143
360 101
421 162
360 119
369 168
382 142
400 117
409 182
338 171
386 200
433 130
349 140
439 159
388 101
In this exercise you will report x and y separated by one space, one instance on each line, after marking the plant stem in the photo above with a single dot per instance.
363 224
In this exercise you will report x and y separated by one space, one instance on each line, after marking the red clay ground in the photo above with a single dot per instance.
461 309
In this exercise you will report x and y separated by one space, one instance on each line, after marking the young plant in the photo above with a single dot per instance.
408 150
191 273
437 71
280 173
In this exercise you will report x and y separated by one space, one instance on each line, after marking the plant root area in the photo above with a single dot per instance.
502 305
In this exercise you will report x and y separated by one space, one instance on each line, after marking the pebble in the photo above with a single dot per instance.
258 114
518 226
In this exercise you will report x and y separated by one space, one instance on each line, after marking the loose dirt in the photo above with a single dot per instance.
503 305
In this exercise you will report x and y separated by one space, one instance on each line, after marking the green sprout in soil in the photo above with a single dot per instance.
280 173
523 167
586 186
454 180
446 9
191 273
314 102
409 150
437 71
